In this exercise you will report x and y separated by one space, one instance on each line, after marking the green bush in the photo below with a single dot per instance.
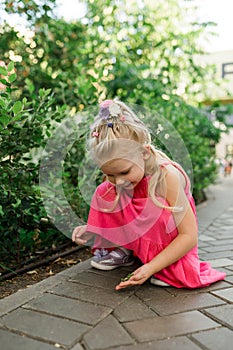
25 126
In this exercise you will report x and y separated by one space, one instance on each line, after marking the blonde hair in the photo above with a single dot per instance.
106 131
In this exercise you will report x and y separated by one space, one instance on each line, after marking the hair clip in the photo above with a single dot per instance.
95 134
110 125
109 109
106 103
104 113
114 110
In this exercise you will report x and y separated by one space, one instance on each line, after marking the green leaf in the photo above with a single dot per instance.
4 132
12 77
17 117
30 85
17 107
41 92
47 92
5 119
17 204
1 211
10 66
3 71
2 103
3 81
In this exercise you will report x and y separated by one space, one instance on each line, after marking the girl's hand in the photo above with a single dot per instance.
80 236
138 277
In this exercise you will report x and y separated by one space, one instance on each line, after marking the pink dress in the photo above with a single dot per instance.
139 225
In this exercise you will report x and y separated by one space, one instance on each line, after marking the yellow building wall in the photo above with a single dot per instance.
223 62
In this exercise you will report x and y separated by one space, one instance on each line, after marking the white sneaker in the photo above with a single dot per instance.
157 282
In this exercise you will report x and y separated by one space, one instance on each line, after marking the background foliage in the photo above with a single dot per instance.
136 50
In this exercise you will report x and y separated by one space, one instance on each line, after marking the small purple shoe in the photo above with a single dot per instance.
105 260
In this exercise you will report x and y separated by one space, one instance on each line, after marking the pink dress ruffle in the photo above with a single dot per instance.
139 225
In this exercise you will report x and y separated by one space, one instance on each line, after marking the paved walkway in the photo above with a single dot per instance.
78 309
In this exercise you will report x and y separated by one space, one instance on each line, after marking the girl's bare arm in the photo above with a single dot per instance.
185 221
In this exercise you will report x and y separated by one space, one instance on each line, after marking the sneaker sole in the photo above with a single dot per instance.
98 266
157 282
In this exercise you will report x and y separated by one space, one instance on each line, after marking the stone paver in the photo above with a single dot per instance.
77 347
224 257
78 309
226 294
106 297
46 327
179 343
11 341
223 314
215 339
167 304
221 262
15 300
229 279
107 334
215 286
91 278
133 309
219 248
168 326
230 267
71 309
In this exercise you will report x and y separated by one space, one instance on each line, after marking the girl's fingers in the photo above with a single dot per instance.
77 233
125 285
121 286
81 241
73 236
133 281
137 278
